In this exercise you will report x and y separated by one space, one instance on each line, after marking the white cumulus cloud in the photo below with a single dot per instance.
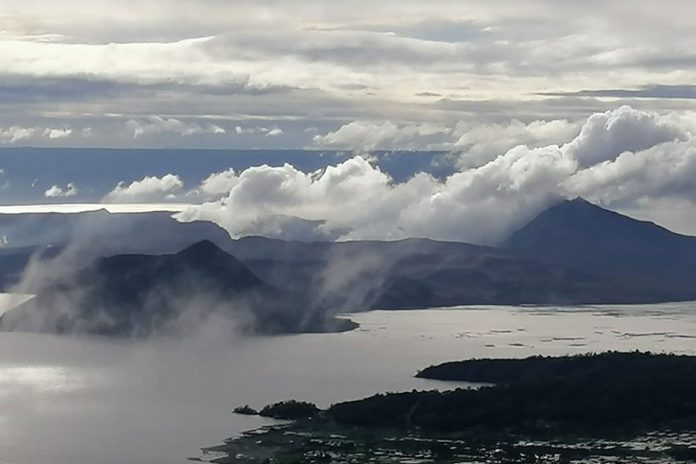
479 143
644 157
218 184
56 191
355 200
56 133
606 135
16 134
386 135
148 189
160 125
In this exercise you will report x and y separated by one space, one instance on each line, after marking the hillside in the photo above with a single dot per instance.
586 237
421 273
572 253
142 295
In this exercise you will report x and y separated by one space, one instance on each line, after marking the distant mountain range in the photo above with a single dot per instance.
91 235
107 233
573 253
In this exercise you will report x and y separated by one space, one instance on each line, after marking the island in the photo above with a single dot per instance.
608 407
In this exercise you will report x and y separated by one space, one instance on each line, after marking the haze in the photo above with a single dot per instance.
194 192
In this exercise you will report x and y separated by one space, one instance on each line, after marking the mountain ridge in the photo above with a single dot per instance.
570 254
144 295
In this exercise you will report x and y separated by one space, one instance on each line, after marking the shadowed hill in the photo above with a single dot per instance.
421 273
115 233
89 235
580 235
142 295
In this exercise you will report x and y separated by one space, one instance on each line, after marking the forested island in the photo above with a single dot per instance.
616 406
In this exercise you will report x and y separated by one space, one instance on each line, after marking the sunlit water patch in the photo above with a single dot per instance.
12 300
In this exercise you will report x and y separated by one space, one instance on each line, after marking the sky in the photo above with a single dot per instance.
297 73
527 103
530 102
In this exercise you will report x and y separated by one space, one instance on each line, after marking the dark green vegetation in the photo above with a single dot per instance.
142 295
611 407
246 410
290 410
628 392
284 410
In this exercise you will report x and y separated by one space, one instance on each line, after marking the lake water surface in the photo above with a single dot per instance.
94 401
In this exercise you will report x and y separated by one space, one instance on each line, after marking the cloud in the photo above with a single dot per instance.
369 136
159 125
432 62
15 134
265 131
662 171
606 135
475 142
54 133
148 189
219 184
481 143
355 200
57 191
619 158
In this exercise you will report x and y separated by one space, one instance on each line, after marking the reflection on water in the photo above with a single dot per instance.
41 378
12 300
76 400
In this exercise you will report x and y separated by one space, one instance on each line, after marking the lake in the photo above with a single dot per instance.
96 401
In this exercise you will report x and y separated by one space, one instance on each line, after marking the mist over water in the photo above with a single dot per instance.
67 400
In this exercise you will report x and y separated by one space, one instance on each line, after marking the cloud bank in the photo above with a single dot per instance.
621 158
138 79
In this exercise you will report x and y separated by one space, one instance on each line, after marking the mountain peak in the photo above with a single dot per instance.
587 237
203 249
579 204
583 222
579 201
